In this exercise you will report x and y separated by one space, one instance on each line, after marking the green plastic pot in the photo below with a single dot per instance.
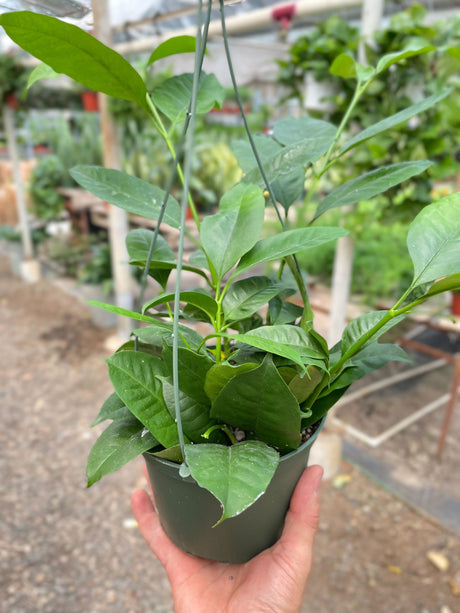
188 512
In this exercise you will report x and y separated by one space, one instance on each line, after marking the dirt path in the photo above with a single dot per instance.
66 549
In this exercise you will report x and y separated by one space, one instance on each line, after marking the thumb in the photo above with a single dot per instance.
302 518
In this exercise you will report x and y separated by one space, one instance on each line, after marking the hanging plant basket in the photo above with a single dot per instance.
188 513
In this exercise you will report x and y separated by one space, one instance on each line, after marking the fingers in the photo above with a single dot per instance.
150 527
303 517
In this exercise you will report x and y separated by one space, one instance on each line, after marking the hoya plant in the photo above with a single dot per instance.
227 405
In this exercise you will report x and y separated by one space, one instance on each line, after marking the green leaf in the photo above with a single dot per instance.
291 130
173 46
120 443
113 408
283 311
237 476
296 156
259 401
247 296
161 331
451 283
220 374
290 342
433 241
395 120
415 47
233 231
192 371
360 326
120 311
173 96
287 185
370 184
138 244
42 71
302 387
79 55
370 358
286 243
347 67
173 454
198 299
195 416
134 377
129 193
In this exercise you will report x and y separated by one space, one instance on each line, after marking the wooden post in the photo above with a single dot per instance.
372 13
118 218
30 268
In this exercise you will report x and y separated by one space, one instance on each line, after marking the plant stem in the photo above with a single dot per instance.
307 316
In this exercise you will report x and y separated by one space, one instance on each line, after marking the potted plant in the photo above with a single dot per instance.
225 419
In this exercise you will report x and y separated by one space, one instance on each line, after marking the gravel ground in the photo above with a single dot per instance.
66 549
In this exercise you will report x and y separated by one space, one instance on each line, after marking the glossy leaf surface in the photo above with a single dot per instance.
120 443
230 233
220 374
237 476
287 243
127 192
71 51
247 296
173 46
370 184
173 96
433 241
259 401
134 378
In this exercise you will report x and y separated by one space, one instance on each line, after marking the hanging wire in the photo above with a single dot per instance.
188 153
200 53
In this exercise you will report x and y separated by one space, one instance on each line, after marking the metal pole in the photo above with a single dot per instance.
118 218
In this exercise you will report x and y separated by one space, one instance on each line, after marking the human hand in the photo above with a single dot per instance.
272 581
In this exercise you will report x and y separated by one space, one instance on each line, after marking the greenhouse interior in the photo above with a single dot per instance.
230 253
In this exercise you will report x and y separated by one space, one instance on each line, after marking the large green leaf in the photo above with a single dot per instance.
361 325
433 241
138 243
291 130
70 50
395 120
159 332
192 371
173 46
259 401
289 158
370 184
347 67
113 408
237 476
120 443
451 283
230 233
416 46
173 96
247 296
287 185
134 377
287 341
220 374
370 358
198 299
287 243
127 192
195 416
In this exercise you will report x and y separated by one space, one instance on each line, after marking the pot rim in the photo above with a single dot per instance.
299 449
